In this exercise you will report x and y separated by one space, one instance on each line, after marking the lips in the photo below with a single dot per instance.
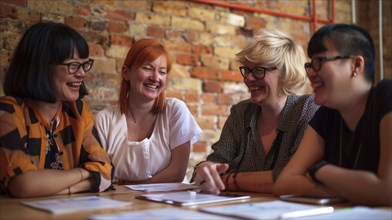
317 85
74 84
151 86
254 88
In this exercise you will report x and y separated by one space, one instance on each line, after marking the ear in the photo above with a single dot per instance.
358 65
124 72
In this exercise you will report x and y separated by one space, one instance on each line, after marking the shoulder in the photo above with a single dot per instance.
384 87
78 107
303 103
385 83
10 104
171 101
108 113
306 99
380 98
174 104
243 106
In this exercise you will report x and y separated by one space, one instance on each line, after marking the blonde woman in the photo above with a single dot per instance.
261 133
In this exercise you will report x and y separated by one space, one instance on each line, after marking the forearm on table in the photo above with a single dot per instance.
362 187
300 184
260 181
45 182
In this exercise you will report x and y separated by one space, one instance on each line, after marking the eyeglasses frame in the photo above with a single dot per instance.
321 60
79 65
251 70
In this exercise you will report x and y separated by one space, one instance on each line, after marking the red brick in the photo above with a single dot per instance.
208 98
120 15
214 110
231 76
192 97
94 37
7 11
96 50
22 3
191 36
76 22
199 147
83 10
121 40
254 23
98 26
207 123
205 73
212 86
155 32
117 27
174 35
225 99
187 59
175 94
202 49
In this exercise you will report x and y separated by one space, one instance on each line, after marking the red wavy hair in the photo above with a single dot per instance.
142 51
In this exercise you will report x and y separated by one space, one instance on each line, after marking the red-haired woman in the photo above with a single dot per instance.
147 135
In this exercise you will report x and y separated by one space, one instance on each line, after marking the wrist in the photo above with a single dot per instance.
316 167
195 171
229 181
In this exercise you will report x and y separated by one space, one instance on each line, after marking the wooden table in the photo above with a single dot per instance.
11 208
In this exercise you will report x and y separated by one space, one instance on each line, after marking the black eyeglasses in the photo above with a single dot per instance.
75 66
317 62
258 72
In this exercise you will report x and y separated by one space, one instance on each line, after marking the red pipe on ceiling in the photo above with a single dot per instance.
312 19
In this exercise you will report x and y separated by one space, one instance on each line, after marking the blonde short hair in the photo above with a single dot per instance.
272 46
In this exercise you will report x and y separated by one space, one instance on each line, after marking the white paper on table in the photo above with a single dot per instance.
77 204
161 187
356 213
269 210
162 213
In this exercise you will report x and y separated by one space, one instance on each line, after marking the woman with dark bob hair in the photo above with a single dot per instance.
347 149
47 144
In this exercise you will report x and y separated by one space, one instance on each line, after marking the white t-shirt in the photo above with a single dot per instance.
140 160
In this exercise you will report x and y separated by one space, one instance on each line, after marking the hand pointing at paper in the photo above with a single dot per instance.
211 177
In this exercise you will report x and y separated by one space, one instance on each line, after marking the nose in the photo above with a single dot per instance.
80 72
155 76
250 77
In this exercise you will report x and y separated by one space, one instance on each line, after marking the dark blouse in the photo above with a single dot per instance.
359 149
240 144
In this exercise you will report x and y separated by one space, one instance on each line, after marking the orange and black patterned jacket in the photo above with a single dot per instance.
24 140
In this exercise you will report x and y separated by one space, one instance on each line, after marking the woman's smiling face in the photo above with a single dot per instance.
264 90
66 86
149 80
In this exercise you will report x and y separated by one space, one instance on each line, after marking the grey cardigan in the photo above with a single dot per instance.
241 147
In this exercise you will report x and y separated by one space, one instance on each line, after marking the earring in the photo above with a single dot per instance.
355 74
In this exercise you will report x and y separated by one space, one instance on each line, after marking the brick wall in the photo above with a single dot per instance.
368 17
202 38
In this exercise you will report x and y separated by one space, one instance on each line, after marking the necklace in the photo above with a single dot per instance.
340 148
133 117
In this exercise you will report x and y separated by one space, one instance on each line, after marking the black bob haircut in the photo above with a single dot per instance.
29 74
348 39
